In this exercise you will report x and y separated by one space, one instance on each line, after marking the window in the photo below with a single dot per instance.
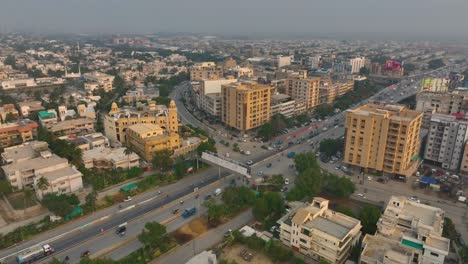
434 254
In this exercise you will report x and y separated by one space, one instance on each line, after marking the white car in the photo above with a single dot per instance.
128 199
369 178
286 181
249 162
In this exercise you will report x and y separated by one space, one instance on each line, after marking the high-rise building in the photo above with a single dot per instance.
245 106
407 232
446 141
318 232
303 88
357 63
383 138
284 60
118 120
443 103
206 71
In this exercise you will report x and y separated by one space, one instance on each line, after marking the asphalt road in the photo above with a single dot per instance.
86 230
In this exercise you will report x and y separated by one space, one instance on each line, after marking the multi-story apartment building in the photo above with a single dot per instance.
30 107
328 94
282 104
206 71
17 133
303 88
208 95
48 118
147 138
356 64
383 138
318 232
446 141
245 106
407 232
443 103
73 126
118 120
8 110
109 158
98 80
282 61
87 142
27 163
464 162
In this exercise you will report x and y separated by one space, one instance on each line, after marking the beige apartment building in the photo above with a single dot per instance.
303 88
98 80
245 106
27 163
442 103
318 232
109 158
408 232
73 126
118 120
383 138
206 71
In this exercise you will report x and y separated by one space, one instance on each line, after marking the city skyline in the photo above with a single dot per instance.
416 19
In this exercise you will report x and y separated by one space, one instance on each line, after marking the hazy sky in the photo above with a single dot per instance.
397 17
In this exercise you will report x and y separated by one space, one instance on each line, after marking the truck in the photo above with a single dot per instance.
189 212
291 154
34 253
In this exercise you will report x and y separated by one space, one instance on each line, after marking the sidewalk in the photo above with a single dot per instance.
206 241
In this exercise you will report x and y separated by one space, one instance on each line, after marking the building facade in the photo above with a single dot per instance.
17 133
443 103
98 80
318 232
146 139
282 104
383 138
27 163
356 64
118 120
206 71
73 126
446 141
304 88
407 232
109 158
245 106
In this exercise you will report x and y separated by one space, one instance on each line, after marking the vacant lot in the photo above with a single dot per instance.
191 230
233 254
19 201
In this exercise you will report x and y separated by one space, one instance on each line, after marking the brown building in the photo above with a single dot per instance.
206 71
304 88
8 110
12 134
383 138
245 106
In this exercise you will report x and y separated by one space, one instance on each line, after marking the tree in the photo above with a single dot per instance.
60 204
268 208
330 146
206 146
162 160
266 131
10 60
91 199
128 152
369 216
435 64
236 198
345 210
463 252
154 236
5 187
42 184
215 211
10 117
323 110
162 100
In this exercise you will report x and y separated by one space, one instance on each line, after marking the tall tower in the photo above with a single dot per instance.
173 122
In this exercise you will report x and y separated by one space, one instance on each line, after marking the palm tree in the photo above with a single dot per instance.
128 152
42 184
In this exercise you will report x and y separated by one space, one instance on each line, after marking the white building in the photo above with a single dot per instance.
357 63
27 163
109 158
31 83
282 61
209 95
446 141
318 232
282 104
98 80
407 232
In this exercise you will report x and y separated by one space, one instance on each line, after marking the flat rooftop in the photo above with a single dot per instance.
396 112
25 151
115 154
328 226
63 172
35 164
380 248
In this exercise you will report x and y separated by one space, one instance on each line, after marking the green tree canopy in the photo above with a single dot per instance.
207 146
162 160
369 216
60 204
154 236
330 146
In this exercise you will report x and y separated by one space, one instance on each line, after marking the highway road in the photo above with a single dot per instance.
80 234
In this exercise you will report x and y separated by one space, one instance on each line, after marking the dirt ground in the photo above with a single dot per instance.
191 230
233 254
